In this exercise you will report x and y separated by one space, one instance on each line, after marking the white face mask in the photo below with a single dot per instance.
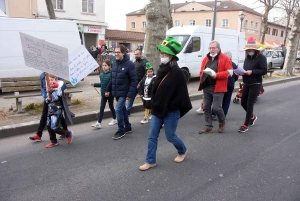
251 53
213 55
164 60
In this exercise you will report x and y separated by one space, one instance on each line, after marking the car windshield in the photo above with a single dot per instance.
181 38
269 53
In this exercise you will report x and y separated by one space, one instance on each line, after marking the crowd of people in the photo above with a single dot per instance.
164 94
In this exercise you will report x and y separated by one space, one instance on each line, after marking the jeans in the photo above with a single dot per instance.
170 121
225 103
43 120
121 113
102 107
130 103
213 101
249 96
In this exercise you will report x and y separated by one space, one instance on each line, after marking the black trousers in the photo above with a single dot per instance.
249 96
43 120
52 133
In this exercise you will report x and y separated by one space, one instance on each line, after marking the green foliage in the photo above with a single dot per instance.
33 108
76 102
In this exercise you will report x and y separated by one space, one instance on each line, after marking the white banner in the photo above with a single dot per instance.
54 59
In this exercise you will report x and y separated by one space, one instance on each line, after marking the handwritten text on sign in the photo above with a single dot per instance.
45 56
81 63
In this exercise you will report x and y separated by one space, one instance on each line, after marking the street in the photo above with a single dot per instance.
261 164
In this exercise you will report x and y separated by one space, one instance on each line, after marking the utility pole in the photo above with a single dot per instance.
50 9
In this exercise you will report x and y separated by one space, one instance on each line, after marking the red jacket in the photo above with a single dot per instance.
224 64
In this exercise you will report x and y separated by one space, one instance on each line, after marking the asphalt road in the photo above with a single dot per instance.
262 164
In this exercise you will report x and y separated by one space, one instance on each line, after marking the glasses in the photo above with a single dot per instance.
212 48
117 52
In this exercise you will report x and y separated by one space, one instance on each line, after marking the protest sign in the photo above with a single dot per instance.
45 56
53 59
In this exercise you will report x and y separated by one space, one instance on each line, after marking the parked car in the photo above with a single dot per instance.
275 58
298 57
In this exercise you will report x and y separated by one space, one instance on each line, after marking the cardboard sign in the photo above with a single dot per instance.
54 59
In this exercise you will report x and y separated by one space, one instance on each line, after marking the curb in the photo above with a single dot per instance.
22 128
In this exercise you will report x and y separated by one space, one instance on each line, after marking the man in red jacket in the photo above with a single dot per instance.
214 86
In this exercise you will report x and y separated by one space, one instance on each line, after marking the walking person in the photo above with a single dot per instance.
140 67
104 80
145 88
170 101
122 85
43 120
255 66
230 87
214 86
55 110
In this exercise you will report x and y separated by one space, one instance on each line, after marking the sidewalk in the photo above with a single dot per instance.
12 123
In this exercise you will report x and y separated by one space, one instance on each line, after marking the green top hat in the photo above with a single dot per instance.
170 46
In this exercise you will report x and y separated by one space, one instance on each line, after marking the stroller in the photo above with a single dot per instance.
239 93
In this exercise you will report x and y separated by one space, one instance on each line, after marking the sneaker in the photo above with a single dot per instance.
205 130
243 129
128 130
118 135
252 120
112 122
36 138
200 111
221 127
70 137
180 158
96 125
150 117
144 121
62 137
146 166
51 144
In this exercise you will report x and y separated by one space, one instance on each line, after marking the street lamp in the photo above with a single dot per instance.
217 3
242 17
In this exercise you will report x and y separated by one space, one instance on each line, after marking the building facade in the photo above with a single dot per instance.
20 9
201 13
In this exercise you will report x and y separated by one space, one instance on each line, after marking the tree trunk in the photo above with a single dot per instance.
292 48
170 23
287 28
158 16
50 9
265 25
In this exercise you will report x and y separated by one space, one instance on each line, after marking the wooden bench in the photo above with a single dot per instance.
270 72
18 97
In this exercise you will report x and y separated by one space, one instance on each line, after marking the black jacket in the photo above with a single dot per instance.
142 86
123 79
258 65
140 67
172 93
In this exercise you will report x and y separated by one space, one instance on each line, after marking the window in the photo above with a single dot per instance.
274 32
280 54
208 23
225 23
268 30
282 33
256 25
251 24
144 25
193 45
177 23
192 22
88 6
275 55
246 23
58 4
133 25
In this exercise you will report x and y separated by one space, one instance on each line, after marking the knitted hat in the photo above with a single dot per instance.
251 44
170 46
148 66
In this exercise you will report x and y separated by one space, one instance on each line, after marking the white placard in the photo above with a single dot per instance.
81 63
45 56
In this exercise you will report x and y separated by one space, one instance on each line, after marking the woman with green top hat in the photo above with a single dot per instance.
170 101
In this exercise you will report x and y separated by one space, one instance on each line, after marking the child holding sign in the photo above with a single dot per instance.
104 78
55 109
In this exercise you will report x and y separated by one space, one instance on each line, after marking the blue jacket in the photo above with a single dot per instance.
123 79
43 85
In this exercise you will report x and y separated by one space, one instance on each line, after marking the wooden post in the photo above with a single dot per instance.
18 103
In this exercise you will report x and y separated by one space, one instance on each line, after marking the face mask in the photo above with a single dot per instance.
251 53
164 60
213 55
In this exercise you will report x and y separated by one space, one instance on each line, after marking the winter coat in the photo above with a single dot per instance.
104 80
123 79
142 86
224 64
140 67
258 65
172 94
